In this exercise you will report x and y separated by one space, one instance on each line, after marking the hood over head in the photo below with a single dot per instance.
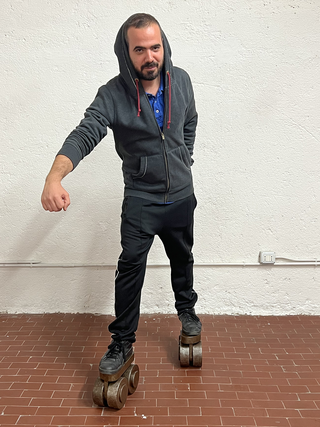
127 70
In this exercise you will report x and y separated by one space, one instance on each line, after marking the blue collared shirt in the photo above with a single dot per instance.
157 103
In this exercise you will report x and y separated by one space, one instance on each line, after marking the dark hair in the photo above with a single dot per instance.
138 20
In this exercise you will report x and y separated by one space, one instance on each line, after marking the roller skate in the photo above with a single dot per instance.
190 347
118 376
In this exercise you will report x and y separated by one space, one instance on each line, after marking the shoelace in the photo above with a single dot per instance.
115 349
190 316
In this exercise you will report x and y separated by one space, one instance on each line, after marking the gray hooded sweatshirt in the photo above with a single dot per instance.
156 163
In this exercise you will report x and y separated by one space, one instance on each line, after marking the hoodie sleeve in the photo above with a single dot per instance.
91 130
191 120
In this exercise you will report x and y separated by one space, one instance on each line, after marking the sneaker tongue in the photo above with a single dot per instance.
189 316
115 349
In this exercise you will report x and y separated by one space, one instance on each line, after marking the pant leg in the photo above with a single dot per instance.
136 243
177 237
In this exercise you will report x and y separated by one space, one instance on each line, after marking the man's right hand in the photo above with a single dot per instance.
54 197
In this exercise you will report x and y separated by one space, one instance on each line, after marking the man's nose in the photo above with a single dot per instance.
149 55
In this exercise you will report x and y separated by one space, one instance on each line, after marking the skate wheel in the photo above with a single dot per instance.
117 393
184 355
132 375
98 393
197 355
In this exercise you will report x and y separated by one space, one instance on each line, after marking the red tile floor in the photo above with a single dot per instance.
257 371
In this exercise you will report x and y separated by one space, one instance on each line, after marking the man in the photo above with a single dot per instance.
150 108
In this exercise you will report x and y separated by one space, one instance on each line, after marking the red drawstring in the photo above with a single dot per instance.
169 107
137 86
169 113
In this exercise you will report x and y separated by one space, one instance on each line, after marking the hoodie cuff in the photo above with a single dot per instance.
72 152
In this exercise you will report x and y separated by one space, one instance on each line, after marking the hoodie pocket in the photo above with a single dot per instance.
179 164
151 175
185 156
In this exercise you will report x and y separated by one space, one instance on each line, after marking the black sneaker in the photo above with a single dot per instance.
116 356
191 324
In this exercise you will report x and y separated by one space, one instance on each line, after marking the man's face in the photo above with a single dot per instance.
146 51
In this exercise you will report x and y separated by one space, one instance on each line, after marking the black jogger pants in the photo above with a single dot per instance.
141 220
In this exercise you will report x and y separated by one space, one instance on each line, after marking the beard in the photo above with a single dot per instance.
145 74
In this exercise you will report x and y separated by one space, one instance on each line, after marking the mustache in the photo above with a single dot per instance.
149 64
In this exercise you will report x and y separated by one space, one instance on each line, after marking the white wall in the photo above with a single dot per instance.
255 68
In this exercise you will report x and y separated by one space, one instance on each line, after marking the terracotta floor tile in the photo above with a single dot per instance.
33 420
257 371
72 420
283 413
251 412
239 421
304 422
49 410
214 411
18 410
169 420
152 410
96 420
204 420
185 410
8 420
269 421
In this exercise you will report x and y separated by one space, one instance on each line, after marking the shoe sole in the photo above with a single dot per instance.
190 339
113 377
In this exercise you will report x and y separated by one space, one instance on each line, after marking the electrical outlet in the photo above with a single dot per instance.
267 257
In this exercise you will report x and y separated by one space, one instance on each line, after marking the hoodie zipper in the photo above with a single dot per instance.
167 167
164 155
163 149
136 83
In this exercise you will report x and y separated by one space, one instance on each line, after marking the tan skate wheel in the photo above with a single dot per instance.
117 393
197 355
132 375
98 393
184 355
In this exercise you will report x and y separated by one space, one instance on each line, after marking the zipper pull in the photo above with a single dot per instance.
162 136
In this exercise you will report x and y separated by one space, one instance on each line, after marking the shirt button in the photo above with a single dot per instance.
157 111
